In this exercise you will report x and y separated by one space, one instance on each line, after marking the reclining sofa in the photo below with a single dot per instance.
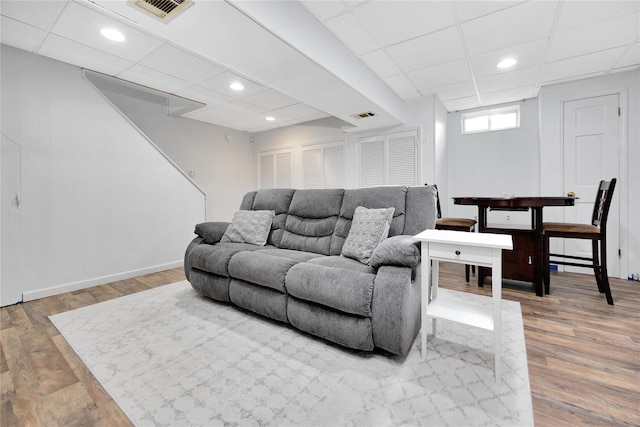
321 261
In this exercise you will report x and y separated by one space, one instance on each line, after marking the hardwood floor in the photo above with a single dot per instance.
584 355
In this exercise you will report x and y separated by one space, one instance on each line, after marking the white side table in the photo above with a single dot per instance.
483 249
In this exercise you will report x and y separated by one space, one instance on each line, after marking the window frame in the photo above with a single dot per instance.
489 113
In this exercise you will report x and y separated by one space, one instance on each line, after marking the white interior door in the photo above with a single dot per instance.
10 284
591 153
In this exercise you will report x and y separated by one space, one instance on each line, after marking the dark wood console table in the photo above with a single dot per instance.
525 261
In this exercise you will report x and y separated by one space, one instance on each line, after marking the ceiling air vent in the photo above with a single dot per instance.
363 115
163 10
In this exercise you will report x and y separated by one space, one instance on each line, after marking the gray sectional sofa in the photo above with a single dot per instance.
300 274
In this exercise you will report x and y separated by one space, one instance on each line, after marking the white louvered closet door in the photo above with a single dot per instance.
334 167
372 162
402 159
323 166
267 172
390 159
283 170
275 169
312 168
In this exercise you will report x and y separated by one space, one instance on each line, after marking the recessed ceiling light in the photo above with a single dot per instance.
112 34
270 118
507 63
236 86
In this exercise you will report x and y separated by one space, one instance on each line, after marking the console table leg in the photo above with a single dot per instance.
496 294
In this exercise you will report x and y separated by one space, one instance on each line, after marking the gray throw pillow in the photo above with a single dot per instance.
368 228
249 227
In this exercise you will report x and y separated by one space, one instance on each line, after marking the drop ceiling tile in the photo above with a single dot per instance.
612 33
39 14
221 82
20 35
575 14
325 10
248 124
427 51
581 66
244 108
631 57
352 34
83 56
300 111
391 22
400 84
220 114
440 75
460 104
204 95
457 90
136 46
508 80
269 100
510 95
527 54
184 65
467 10
154 79
380 63
515 25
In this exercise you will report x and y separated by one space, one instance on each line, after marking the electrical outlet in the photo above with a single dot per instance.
508 218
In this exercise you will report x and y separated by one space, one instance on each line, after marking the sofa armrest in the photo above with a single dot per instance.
211 232
395 309
401 251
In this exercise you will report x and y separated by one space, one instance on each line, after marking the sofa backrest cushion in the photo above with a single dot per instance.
273 199
372 198
312 220
420 211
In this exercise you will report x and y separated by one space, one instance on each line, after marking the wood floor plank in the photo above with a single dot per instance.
583 355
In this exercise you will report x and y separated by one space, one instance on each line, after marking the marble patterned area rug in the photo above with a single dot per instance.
170 357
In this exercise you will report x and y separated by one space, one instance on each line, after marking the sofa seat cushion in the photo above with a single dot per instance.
349 291
338 261
266 267
344 329
300 256
215 258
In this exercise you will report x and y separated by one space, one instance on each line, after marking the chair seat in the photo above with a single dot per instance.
585 231
596 232
456 222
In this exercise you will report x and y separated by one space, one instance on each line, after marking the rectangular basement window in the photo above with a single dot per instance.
491 120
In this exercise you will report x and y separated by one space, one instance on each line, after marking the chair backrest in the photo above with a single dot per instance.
438 211
602 204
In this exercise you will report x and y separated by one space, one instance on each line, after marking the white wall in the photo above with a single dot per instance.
99 202
223 169
627 85
493 163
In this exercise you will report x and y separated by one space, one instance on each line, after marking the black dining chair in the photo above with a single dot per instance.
455 224
596 232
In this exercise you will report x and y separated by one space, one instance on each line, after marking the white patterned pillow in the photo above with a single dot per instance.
249 227
368 228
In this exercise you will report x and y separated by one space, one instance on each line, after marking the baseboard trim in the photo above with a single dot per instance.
75 286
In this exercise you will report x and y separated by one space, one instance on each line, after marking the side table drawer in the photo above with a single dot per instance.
461 253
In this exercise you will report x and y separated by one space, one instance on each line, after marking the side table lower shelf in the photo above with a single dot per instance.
482 249
461 312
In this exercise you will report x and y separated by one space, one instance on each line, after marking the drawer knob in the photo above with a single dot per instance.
457 252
